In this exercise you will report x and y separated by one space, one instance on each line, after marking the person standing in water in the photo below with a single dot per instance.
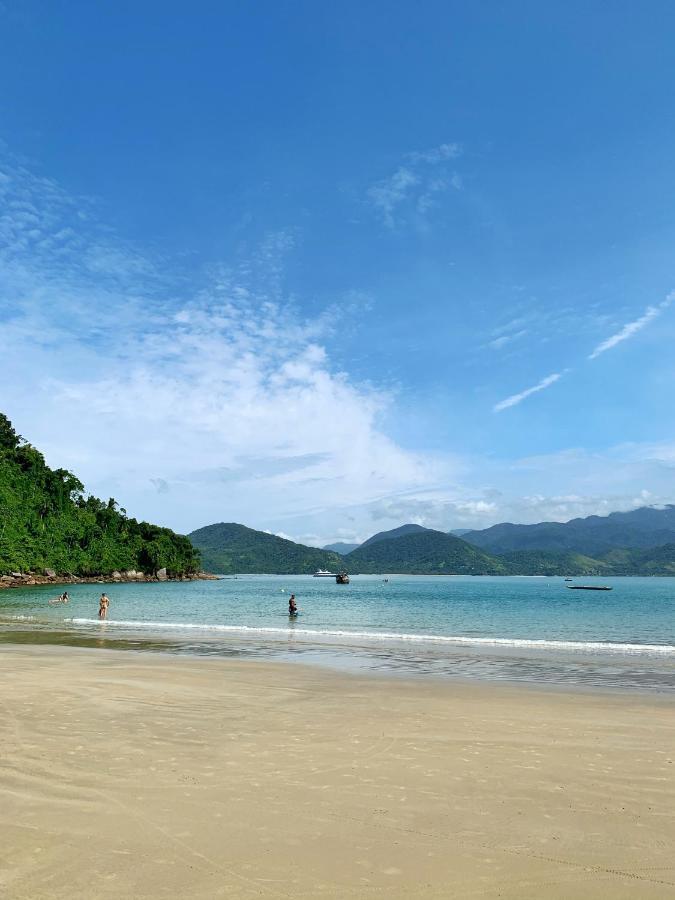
103 605
292 606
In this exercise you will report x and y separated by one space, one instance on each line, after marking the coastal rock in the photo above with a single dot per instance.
162 575
50 573
116 576
6 578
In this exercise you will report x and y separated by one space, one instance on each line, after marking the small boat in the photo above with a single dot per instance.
588 587
569 579
342 578
324 573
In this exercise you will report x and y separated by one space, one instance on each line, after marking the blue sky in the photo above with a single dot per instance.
324 269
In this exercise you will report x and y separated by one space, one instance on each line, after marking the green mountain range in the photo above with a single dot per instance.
640 528
228 548
48 522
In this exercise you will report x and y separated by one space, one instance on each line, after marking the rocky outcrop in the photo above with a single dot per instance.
30 579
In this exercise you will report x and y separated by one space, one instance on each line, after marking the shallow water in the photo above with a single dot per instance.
516 629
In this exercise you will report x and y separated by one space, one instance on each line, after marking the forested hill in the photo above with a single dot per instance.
48 522
230 548
424 552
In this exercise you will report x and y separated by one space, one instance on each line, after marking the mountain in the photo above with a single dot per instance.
594 535
420 551
228 548
341 548
547 562
236 549
650 561
48 522
401 531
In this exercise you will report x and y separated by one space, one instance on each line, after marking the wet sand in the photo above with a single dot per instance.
127 775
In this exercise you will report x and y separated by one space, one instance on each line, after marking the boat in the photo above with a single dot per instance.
324 573
569 579
588 587
342 578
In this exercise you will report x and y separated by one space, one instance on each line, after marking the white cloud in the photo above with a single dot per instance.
632 328
413 189
515 399
190 404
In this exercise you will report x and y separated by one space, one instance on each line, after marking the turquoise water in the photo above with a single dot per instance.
518 629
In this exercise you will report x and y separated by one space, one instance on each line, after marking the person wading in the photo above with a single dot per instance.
103 605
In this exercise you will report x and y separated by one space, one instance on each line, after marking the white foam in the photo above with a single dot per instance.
454 640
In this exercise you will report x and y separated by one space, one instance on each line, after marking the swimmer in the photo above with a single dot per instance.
292 606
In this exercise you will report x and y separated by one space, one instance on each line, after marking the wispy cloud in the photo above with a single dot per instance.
515 399
436 154
412 190
387 195
505 339
632 328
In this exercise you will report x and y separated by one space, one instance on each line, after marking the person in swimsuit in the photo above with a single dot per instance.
103 605
292 606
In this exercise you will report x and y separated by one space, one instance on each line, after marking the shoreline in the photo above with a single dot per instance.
130 774
308 657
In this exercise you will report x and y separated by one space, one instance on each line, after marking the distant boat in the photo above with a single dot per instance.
588 587
324 573
342 578
569 579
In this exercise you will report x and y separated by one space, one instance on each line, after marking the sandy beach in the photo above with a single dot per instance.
144 775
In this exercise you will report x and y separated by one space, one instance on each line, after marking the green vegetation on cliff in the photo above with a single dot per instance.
48 522
228 548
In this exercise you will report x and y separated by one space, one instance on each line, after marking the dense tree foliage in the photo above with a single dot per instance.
47 521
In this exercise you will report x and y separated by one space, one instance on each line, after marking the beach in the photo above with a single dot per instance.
145 775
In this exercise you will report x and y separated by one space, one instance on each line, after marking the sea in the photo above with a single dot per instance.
512 629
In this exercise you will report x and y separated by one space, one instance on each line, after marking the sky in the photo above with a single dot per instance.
323 269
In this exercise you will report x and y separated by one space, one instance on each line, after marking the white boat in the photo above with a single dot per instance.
323 573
